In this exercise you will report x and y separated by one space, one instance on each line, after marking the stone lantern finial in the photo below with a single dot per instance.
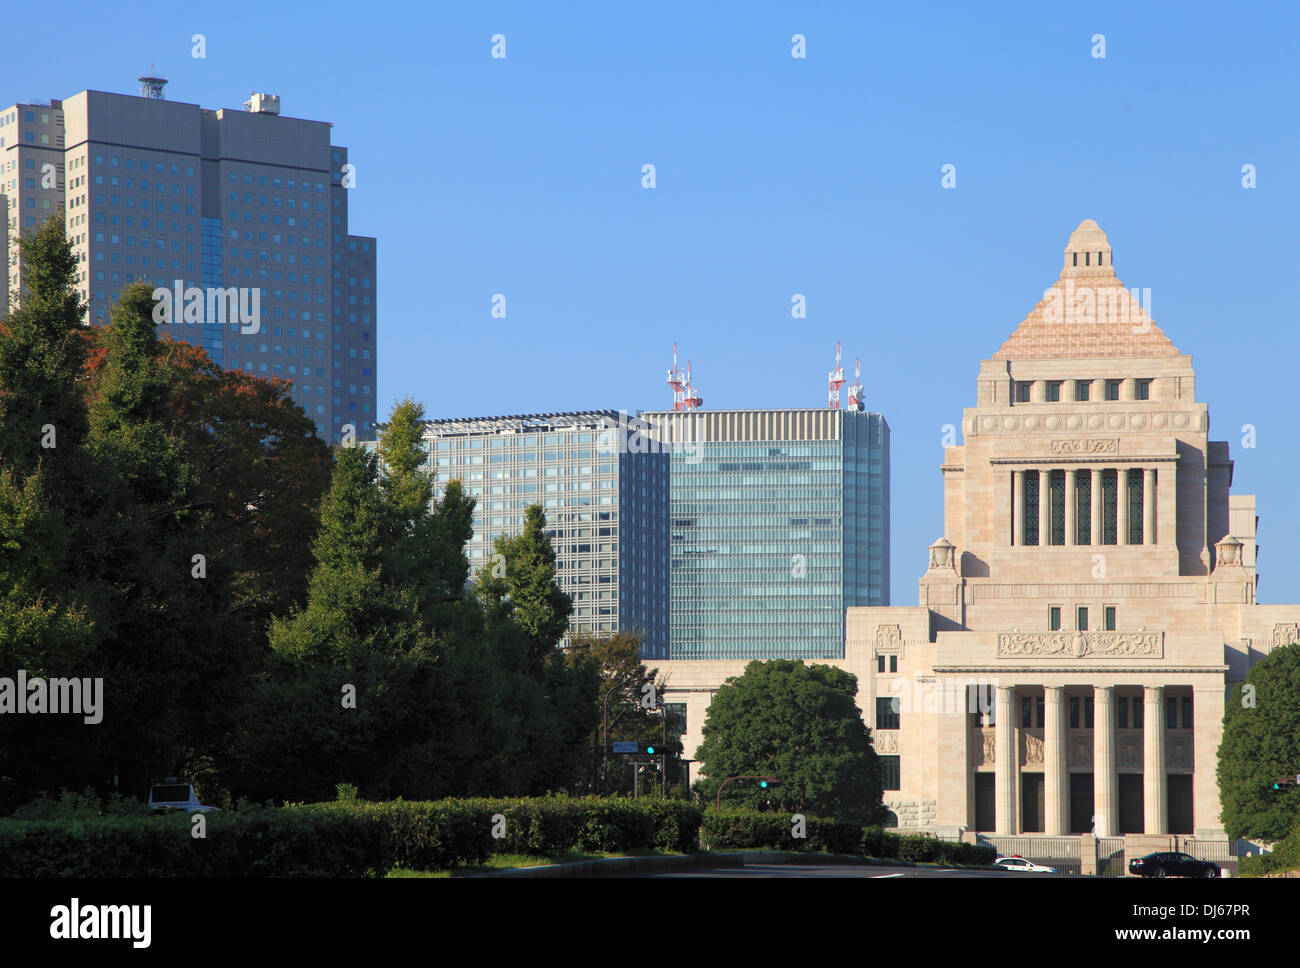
941 555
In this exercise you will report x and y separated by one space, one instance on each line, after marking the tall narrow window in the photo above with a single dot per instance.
1134 506
1086 257
1171 713
1074 712
1029 527
1112 389
1187 712
1081 618
1054 618
1087 713
1082 389
1083 508
1054 391
1122 712
1109 615
1142 389
1108 507
1022 392
1056 481
1137 713
1026 713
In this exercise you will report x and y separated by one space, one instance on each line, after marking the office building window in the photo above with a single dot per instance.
887 710
890 772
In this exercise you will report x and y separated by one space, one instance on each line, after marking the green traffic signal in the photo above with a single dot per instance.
763 784
650 750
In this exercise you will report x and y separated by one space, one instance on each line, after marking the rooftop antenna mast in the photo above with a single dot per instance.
856 401
691 399
676 379
151 85
836 380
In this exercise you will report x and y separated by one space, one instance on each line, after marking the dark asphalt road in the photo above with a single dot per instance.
848 870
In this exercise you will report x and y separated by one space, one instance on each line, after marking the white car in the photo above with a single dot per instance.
174 795
1020 864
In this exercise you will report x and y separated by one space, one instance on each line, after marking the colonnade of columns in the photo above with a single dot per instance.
1072 505
1056 776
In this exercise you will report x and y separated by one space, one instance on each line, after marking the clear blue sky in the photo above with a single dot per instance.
775 176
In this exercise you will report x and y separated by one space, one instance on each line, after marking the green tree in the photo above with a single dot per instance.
1261 742
801 724
519 583
385 622
123 457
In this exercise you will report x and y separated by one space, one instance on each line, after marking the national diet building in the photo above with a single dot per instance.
1089 604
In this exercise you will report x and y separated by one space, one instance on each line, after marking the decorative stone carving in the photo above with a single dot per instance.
1130 753
1033 749
886 741
1228 552
889 638
1179 753
1077 645
941 555
1284 633
986 752
1085 446
1080 751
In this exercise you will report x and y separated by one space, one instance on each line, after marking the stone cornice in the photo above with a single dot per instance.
1089 459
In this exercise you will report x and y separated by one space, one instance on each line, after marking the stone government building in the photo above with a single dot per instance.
1096 579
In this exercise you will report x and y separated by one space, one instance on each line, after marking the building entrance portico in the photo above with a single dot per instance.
1078 758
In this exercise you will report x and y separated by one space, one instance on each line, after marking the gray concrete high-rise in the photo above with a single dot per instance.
178 195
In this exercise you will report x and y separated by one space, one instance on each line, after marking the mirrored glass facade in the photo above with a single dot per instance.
778 521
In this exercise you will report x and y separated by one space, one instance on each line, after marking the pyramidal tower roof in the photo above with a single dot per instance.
1087 312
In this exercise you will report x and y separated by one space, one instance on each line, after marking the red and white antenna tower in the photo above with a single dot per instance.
691 399
855 388
676 379
837 380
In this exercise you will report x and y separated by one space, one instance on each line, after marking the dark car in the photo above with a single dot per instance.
1172 864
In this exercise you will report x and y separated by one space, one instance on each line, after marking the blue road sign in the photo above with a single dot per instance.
625 747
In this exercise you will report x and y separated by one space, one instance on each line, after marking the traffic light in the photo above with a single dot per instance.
1285 782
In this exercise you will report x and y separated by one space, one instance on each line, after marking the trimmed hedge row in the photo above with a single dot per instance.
737 828
339 839
1285 856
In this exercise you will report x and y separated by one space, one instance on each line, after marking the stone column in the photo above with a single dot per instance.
1154 783
1094 492
1005 761
1104 779
1121 506
1056 777
1149 506
1018 508
1044 508
1071 534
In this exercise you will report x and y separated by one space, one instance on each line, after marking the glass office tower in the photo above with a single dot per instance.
606 509
778 522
